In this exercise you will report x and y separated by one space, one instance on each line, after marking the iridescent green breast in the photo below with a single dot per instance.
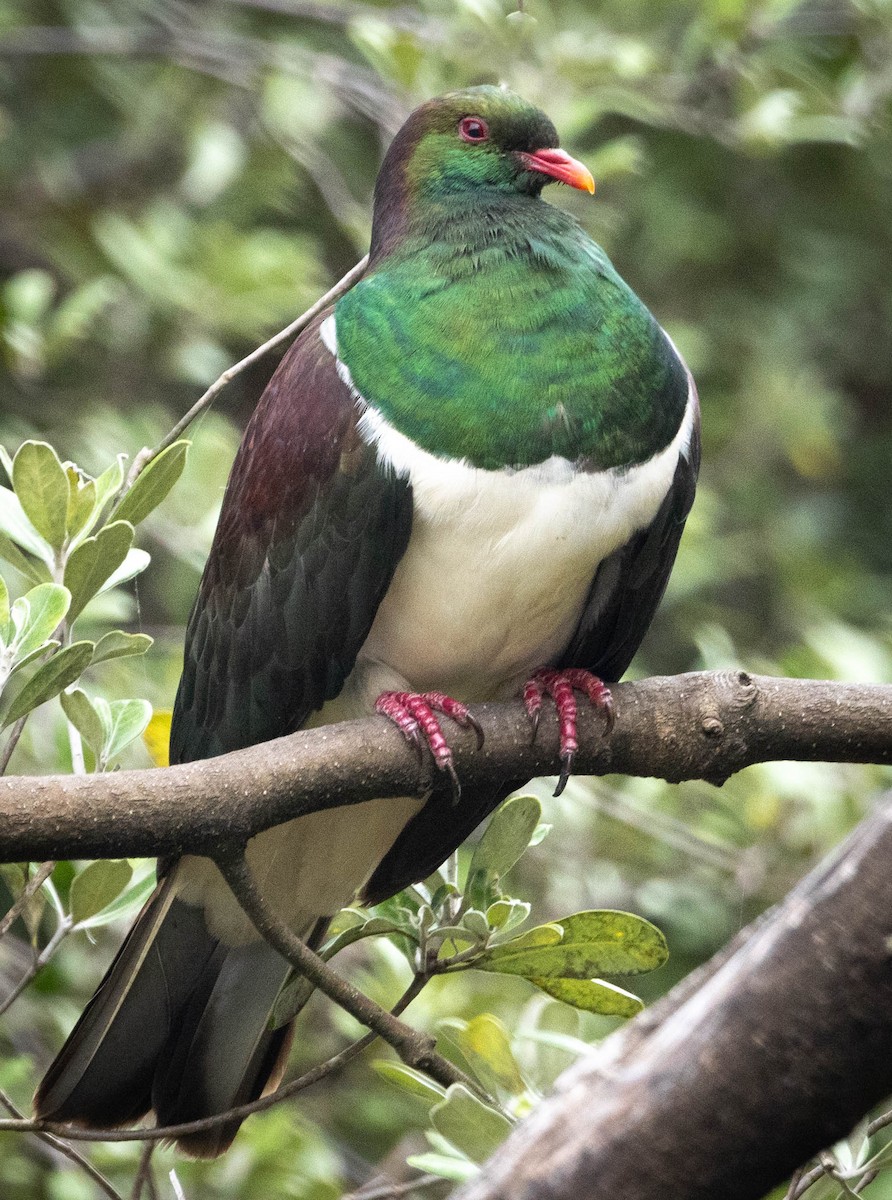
509 338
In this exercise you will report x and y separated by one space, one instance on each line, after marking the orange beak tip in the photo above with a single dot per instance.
558 165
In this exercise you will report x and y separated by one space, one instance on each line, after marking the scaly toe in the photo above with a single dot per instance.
561 686
414 714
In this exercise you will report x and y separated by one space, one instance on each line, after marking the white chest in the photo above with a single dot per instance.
498 566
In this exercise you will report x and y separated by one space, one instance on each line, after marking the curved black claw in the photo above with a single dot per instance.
472 721
566 771
454 784
414 738
534 724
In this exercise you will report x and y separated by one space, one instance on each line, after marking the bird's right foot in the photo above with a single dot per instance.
415 716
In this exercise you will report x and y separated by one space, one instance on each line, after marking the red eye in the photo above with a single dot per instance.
473 129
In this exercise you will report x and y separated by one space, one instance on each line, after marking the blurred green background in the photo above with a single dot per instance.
179 179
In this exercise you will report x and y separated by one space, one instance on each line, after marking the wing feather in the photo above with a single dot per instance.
310 533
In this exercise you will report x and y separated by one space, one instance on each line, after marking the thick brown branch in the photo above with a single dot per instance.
747 1069
698 726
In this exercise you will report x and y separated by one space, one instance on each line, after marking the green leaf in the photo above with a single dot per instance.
506 914
50 644
468 1124
153 484
556 1038
6 462
41 485
35 571
476 923
604 942
117 644
28 295
15 525
94 562
454 938
47 605
128 719
97 886
5 627
540 935
410 1080
506 836
48 680
486 1046
290 1001
87 720
446 1166
81 500
136 561
128 904
76 314
374 927
566 1043
109 481
540 833
15 876
592 995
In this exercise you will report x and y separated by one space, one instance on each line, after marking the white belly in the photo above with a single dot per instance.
307 868
497 570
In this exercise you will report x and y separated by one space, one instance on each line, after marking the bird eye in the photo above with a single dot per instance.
473 129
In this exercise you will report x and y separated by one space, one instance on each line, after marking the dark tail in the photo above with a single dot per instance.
179 1025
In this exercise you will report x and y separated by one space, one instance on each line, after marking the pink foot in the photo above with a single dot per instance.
414 714
560 685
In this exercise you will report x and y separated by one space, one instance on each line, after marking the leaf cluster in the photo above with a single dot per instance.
70 535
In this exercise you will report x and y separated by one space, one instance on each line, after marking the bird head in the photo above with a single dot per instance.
478 145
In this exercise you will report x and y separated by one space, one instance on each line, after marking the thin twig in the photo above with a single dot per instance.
145 456
414 1048
11 742
332 14
69 1151
144 1171
171 1132
34 884
880 1122
866 1180
62 931
390 1191
793 1190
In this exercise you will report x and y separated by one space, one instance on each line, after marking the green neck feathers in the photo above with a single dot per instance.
494 330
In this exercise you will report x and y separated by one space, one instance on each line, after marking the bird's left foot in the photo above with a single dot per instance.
415 716
561 685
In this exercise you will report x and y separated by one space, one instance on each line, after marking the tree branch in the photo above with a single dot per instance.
697 726
414 1048
748 1068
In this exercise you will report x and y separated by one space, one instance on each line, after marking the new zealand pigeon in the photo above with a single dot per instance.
468 478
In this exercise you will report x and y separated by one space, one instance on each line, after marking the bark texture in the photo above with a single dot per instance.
697 726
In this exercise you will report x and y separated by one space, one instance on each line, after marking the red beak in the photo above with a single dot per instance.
557 164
